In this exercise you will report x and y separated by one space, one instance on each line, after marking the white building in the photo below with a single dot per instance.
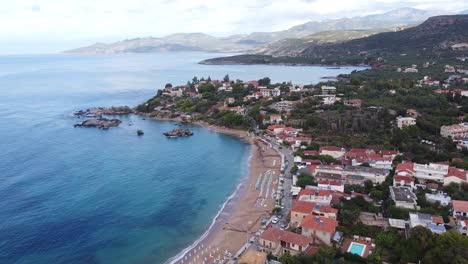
453 131
331 185
440 197
432 171
405 121
328 89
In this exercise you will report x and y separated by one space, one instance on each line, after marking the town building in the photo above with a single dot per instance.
407 181
276 118
455 131
331 185
432 171
283 106
462 227
328 89
403 197
433 223
460 209
405 121
439 197
315 195
279 242
301 209
320 229
333 151
353 102
456 175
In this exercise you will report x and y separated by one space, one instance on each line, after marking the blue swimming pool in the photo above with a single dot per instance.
357 248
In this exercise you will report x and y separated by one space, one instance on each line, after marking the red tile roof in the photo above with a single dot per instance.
437 220
276 235
312 250
408 167
389 152
461 206
319 223
327 182
303 207
405 179
311 152
312 168
459 173
271 127
330 148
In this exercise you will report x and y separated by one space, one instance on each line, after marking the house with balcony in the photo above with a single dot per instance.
278 242
320 229
301 209
460 209
405 121
431 172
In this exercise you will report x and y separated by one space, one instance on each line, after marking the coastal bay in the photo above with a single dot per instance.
110 196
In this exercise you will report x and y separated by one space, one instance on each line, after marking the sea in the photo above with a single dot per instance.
83 195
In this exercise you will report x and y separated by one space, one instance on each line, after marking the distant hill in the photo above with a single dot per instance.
252 41
464 12
295 46
437 34
174 42
437 37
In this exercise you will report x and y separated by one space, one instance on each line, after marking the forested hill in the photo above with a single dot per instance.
437 37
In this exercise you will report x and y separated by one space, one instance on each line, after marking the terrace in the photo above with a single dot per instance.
362 246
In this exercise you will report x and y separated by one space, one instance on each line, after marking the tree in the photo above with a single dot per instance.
264 81
168 85
304 179
194 79
226 78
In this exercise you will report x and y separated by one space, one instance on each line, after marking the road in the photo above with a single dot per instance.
287 200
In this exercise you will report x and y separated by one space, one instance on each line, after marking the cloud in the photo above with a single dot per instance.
80 21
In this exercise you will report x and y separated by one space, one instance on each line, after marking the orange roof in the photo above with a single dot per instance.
312 250
310 152
459 173
330 148
303 207
437 220
276 235
319 223
327 182
271 127
408 166
389 152
461 206
406 179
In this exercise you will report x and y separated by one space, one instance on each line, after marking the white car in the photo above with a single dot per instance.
275 220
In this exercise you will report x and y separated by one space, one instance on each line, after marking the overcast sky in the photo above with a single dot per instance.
38 26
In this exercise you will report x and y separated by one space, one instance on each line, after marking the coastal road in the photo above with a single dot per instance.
287 200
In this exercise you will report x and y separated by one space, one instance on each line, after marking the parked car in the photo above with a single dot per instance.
275 220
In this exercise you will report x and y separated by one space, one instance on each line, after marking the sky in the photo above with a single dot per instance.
47 26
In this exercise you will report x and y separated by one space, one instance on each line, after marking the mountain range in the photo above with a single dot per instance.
254 41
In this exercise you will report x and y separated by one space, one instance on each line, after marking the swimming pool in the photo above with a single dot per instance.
357 248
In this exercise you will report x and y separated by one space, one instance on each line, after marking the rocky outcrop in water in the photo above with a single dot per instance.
101 123
178 132
100 111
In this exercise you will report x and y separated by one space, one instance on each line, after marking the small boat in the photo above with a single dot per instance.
140 132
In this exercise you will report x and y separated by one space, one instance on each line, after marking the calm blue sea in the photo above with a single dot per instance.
76 195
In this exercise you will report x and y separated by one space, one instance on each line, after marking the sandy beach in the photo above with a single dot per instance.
241 216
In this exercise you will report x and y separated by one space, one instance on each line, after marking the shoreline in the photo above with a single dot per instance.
239 217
